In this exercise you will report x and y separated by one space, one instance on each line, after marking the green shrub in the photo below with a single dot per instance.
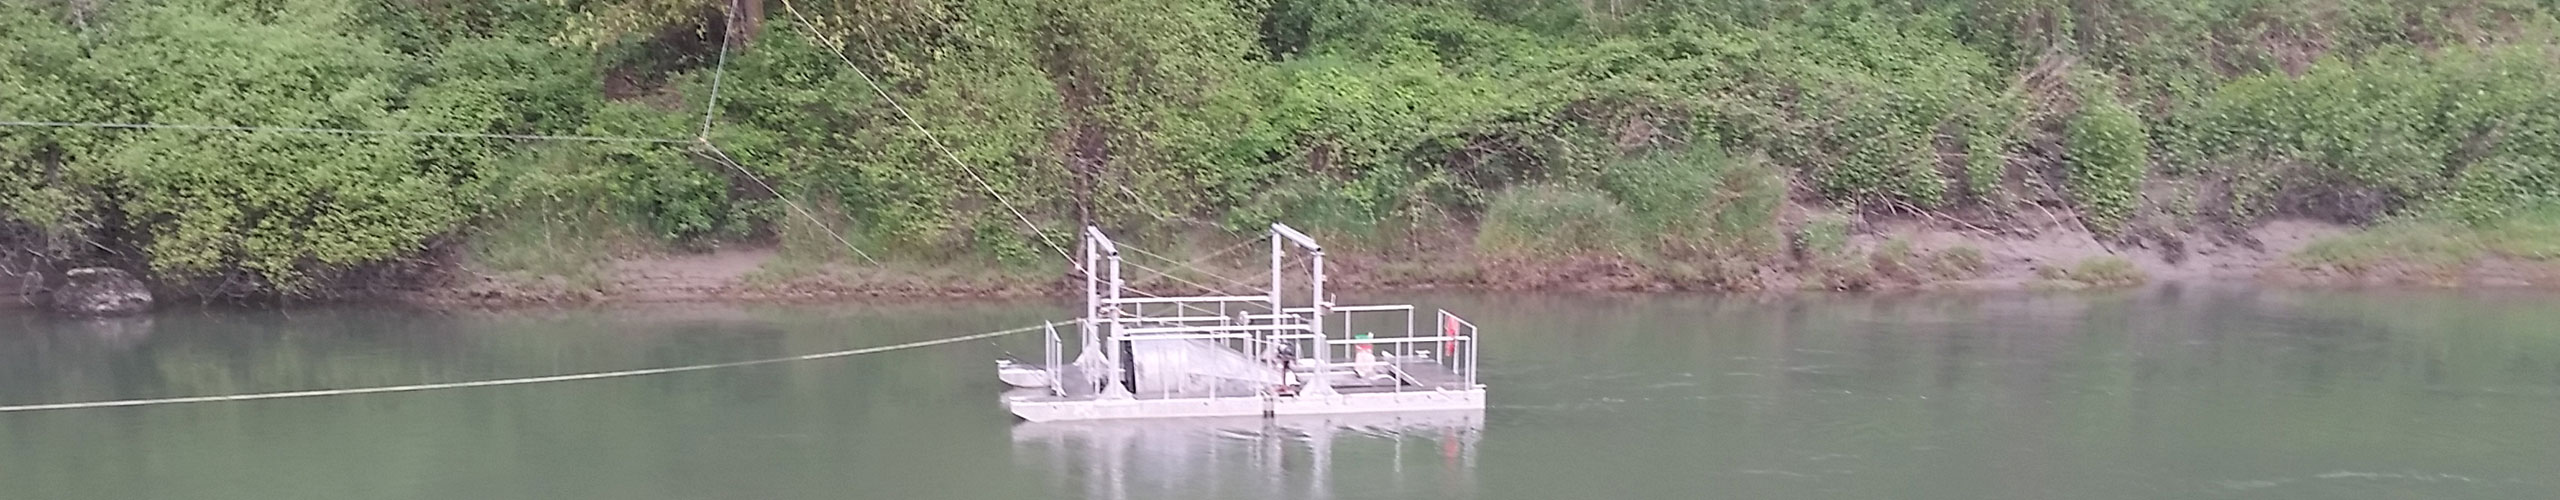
1666 193
2442 242
1310 206
1554 220
2106 152
1697 201
1960 262
1842 274
1989 136
1856 101
1343 117
1825 236
1895 260
2097 271
283 211
2469 131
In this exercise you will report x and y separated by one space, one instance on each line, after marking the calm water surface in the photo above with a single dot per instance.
2161 393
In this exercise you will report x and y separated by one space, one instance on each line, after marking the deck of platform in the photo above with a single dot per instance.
1421 374
1428 386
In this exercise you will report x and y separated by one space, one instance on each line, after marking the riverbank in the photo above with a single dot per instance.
1910 254
1889 255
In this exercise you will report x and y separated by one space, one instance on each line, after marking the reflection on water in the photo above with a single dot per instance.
1290 457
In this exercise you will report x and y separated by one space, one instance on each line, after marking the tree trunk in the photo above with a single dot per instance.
750 21
1085 147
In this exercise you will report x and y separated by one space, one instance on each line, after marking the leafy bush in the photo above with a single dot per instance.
2106 146
1960 262
1697 200
1352 116
2343 133
1826 236
2098 271
1896 260
1554 220
2527 234
281 209
2361 140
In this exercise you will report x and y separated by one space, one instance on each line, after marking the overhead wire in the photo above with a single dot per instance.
332 131
728 20
728 30
837 47
702 139
721 157
514 381
1162 273
1158 212
708 151
1193 265
1196 268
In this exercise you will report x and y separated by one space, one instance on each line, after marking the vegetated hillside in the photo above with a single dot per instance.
1696 143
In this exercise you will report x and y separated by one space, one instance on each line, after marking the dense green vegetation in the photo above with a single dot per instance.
2438 249
2095 271
1662 130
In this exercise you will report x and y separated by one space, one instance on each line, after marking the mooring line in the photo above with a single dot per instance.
837 46
725 160
331 131
512 381
728 30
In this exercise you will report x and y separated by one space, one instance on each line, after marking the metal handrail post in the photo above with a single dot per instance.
1277 282
1124 373
1092 326
1324 351
1054 359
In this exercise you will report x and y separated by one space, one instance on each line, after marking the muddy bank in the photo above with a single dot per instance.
2047 258
1885 255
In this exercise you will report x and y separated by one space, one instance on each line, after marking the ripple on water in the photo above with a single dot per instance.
2404 476
2252 484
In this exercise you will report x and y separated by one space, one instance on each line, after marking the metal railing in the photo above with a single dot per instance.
1259 325
1053 357
1455 354
1450 325
1243 343
1451 343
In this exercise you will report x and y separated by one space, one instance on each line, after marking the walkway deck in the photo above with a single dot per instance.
1427 386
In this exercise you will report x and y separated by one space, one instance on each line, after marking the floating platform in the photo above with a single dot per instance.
1427 387
1243 355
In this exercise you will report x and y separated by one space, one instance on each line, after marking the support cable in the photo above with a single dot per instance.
514 381
332 131
728 30
723 158
1193 265
837 48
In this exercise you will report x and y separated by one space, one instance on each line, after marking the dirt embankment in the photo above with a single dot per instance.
2042 258
16 291
1891 255
2264 252
735 274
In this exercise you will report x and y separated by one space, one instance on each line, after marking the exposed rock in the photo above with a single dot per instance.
100 291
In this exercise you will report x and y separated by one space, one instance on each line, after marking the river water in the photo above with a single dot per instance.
2169 392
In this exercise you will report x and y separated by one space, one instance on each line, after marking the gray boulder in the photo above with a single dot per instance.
100 291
